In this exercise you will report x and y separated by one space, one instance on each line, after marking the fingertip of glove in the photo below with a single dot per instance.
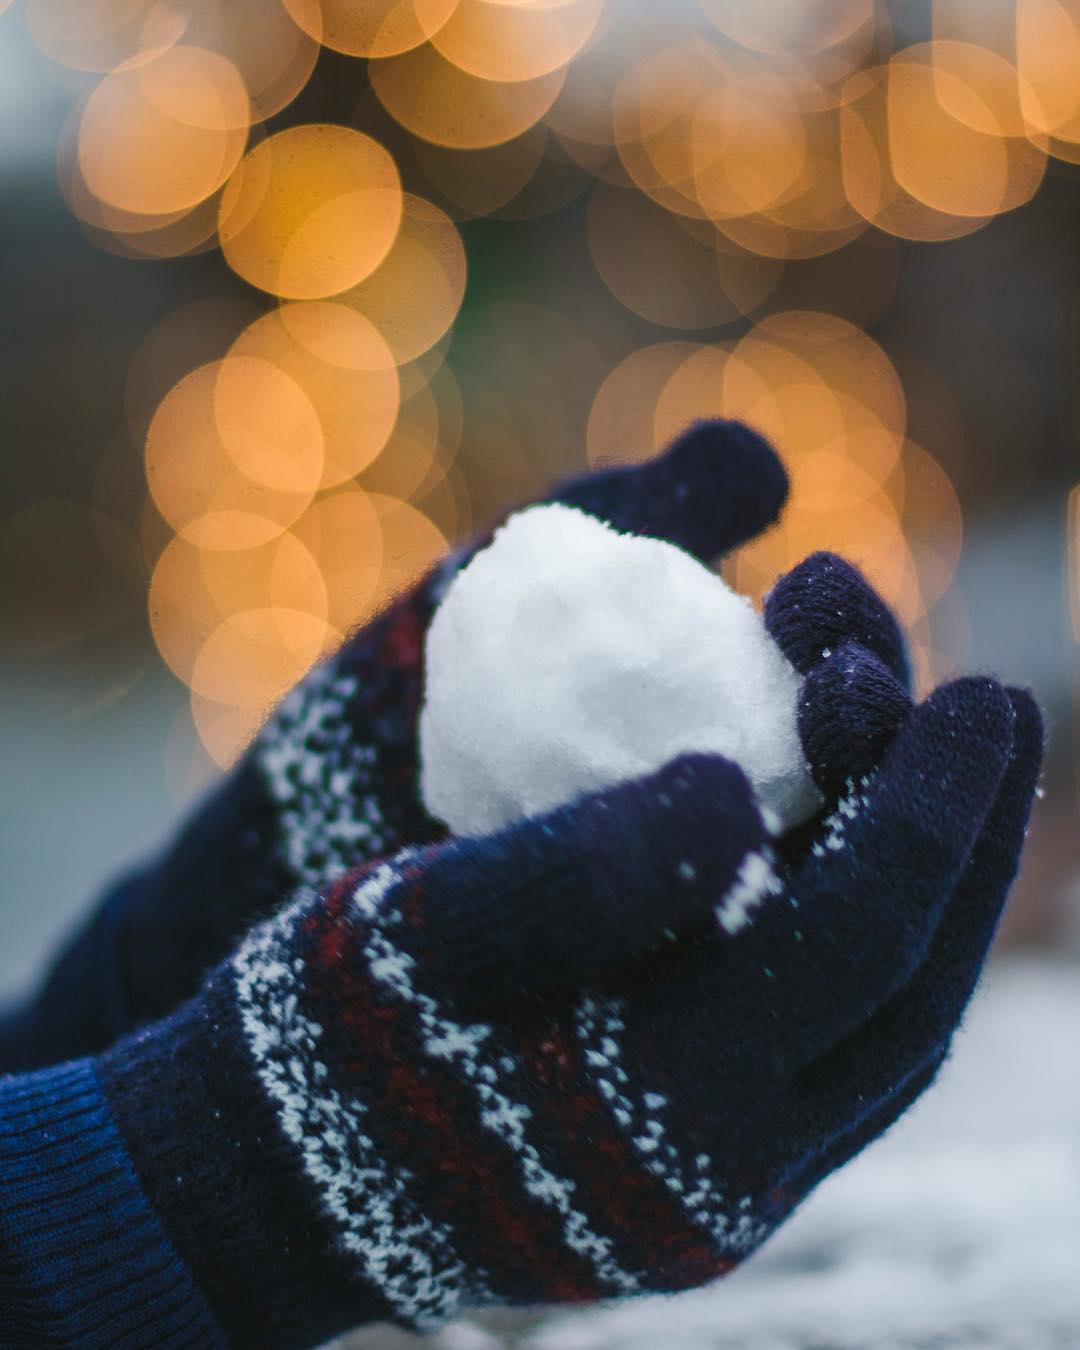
958 742
715 486
698 788
729 458
826 601
975 706
850 706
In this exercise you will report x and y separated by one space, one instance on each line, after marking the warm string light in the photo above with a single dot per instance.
308 459
252 452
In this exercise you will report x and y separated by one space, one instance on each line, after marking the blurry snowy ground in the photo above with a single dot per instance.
960 1229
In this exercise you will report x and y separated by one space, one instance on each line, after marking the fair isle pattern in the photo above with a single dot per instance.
408 1257
755 880
599 1024
487 1074
322 778
553 1147
371 1077
854 803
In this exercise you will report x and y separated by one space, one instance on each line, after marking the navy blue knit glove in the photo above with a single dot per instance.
331 781
603 1052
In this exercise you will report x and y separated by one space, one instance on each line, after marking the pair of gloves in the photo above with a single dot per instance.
599 1053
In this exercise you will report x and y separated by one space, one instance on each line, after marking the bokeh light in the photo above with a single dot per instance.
914 168
439 102
513 40
1047 56
194 590
623 420
162 135
670 269
414 295
781 26
186 338
100 36
374 28
480 182
274 55
195 478
412 542
346 370
311 211
720 193
268 425
965 163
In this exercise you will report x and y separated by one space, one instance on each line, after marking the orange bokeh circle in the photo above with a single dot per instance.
371 28
161 136
514 40
311 211
414 295
195 479
346 370
441 103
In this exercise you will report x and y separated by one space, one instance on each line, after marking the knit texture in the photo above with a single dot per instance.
221 1171
600 1053
604 1052
331 781
84 1262
823 602
849 708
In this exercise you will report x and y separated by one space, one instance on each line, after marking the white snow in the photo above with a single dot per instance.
960 1230
567 656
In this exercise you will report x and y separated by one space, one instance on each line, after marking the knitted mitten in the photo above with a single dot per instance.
331 781
602 1052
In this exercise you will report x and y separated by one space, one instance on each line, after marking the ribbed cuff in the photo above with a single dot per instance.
230 1188
84 1262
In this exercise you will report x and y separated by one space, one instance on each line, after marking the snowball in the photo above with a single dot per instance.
567 656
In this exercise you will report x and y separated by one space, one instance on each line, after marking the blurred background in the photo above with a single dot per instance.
299 293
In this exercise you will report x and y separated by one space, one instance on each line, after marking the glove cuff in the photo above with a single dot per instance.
226 1183
85 1260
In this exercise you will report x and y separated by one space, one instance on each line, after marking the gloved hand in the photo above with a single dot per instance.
331 781
601 1052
